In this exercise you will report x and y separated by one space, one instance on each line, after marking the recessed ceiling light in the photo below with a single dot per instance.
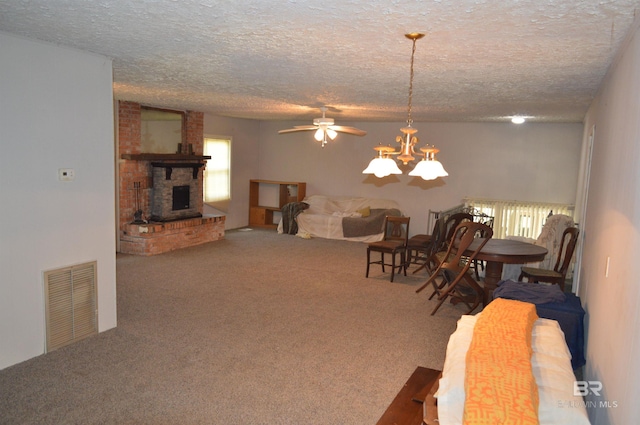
517 120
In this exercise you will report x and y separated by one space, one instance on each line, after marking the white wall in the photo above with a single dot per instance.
245 137
612 231
56 111
532 162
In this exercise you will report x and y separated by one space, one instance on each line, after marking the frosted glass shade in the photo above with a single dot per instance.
429 170
382 167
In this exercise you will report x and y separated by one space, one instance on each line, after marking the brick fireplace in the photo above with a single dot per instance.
160 195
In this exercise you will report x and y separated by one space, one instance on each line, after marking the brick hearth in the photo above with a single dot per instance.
156 238
136 170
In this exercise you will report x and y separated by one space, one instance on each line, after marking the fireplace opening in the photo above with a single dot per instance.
174 194
180 198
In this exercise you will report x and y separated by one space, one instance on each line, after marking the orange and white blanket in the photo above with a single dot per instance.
551 364
499 383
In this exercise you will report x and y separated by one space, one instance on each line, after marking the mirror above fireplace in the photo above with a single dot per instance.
161 131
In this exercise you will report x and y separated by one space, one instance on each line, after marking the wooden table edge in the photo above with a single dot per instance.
407 407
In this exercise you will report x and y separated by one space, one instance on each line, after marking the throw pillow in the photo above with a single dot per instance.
365 212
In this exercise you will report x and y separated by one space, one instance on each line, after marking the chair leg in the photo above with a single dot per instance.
479 293
393 264
474 306
450 290
438 288
426 265
438 305
368 261
422 266
424 285
476 266
442 297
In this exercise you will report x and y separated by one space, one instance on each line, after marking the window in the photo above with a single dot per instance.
217 173
518 218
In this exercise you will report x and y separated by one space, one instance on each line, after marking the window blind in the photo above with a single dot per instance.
518 218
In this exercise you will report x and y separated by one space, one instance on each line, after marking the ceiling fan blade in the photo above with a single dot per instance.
298 128
324 127
330 109
348 130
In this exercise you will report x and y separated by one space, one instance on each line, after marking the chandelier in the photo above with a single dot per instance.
428 167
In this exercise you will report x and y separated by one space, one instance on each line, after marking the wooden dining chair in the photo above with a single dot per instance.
430 251
550 237
394 243
417 245
421 247
480 217
456 279
451 224
559 272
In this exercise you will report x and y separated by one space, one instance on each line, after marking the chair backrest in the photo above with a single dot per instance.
396 229
565 253
479 216
484 219
462 237
551 237
452 222
438 241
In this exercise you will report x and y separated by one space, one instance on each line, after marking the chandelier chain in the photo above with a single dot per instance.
413 52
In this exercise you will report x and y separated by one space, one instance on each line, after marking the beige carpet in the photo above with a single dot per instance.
259 328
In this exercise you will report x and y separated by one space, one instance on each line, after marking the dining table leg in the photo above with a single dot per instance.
493 275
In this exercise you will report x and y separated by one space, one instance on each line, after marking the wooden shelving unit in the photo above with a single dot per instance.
262 215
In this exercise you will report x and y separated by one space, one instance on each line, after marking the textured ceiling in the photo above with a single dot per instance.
482 60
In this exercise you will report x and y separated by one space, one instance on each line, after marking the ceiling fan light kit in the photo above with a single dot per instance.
324 127
429 167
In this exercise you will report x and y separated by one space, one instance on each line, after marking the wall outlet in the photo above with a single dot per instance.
66 174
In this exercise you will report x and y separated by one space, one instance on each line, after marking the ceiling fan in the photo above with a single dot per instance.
325 127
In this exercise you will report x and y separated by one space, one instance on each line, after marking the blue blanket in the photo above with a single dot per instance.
534 293
552 303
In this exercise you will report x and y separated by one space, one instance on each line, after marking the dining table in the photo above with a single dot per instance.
498 252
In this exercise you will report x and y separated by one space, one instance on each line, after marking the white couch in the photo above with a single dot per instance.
324 217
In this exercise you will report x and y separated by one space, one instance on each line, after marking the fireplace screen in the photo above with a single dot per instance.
180 198
175 191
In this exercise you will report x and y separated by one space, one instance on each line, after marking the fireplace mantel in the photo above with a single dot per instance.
163 157
169 166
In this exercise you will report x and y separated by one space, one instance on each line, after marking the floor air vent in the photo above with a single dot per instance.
70 304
